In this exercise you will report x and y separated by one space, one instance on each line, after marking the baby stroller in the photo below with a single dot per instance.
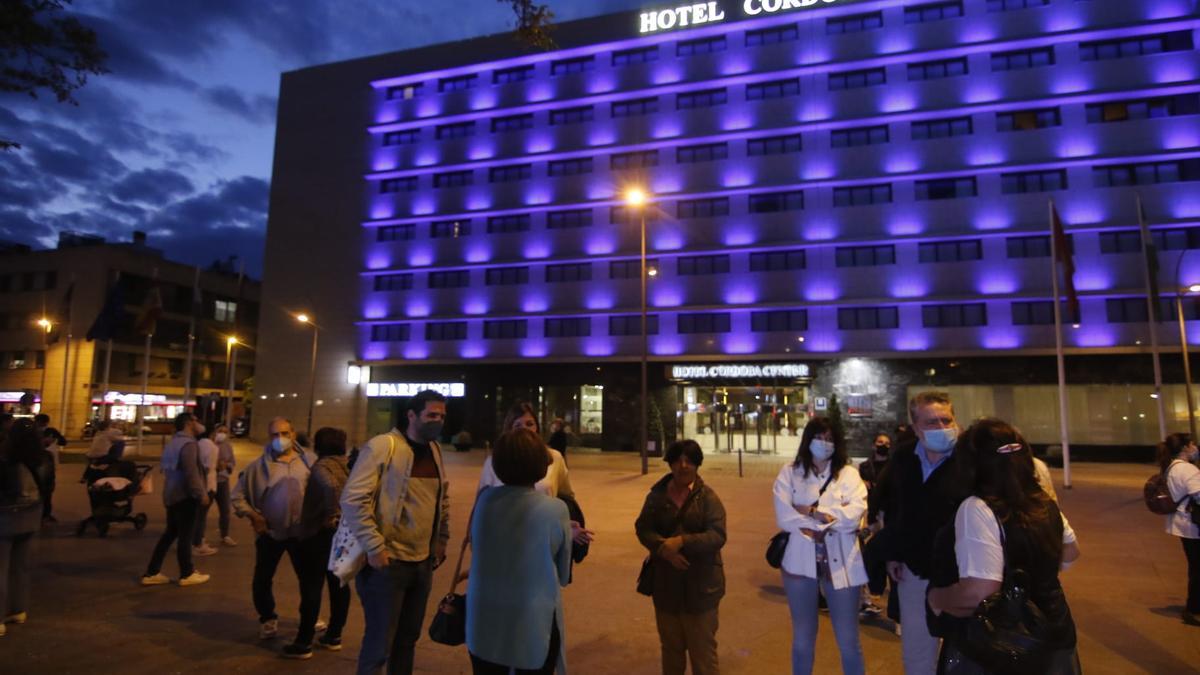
111 488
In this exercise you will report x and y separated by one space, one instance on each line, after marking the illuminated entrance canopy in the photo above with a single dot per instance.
404 389
699 13
740 370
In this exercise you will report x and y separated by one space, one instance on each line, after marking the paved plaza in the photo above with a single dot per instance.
89 615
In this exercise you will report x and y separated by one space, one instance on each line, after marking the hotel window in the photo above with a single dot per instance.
401 137
1126 241
1028 120
446 330
849 138
936 70
944 128
857 79
1034 313
934 11
452 179
225 311
404 232
449 229
631 324
945 188
393 332
633 160
1033 181
770 36
1146 108
954 316
773 89
572 115
863 195
457 130
568 327
505 329
868 318
1177 239
1023 59
512 123
691 323
1037 246
516 222
1150 173
570 167
460 83
856 23
1134 310
950 251
563 220
569 66
621 215
388 186
1103 50
628 57
701 99
865 256
691 154
778 261
1011 5
394 282
506 276
450 279
700 46
775 202
404 91
774 145
697 265
639 106
508 174
779 321
702 208
510 75
629 269
568 272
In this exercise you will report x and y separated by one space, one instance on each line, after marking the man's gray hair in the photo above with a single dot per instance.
928 398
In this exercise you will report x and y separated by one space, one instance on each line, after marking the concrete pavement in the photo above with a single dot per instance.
89 615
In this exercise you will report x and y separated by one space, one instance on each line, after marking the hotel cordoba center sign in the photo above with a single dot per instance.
700 13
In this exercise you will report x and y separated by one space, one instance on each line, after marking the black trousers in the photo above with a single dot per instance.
181 520
315 554
1191 548
267 552
482 667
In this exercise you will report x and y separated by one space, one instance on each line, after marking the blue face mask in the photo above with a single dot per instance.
821 450
280 445
940 440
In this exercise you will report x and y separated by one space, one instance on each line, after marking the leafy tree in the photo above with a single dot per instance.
42 48
534 23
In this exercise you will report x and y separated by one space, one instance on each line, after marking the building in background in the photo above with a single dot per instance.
848 198
67 287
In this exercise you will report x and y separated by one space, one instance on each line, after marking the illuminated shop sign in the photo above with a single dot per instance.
11 396
739 370
699 13
404 389
121 398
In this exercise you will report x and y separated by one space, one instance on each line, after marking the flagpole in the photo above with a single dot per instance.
45 329
1152 313
1058 353
187 370
62 410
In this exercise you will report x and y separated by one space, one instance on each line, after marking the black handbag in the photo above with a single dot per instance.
449 625
645 580
778 544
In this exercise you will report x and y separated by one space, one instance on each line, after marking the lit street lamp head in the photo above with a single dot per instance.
636 197
45 323
1194 288
302 318
231 340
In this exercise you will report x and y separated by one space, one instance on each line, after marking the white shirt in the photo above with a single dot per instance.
845 499
208 459
977 544
554 484
1183 478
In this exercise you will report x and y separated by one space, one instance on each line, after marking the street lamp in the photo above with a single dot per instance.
1183 343
230 342
636 198
46 325
312 375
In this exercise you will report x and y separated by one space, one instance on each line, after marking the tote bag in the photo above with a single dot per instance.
346 556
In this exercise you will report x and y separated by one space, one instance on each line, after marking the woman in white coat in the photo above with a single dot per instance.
820 501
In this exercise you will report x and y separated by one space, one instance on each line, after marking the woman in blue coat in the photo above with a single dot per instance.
521 559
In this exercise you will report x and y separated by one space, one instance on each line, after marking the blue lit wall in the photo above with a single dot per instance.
1103 129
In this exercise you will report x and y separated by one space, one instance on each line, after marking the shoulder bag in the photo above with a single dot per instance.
778 544
449 625
346 556
645 580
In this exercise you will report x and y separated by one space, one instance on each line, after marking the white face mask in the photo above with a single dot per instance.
221 437
821 450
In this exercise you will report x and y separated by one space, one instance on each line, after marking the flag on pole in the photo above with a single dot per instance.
63 319
1150 250
1064 253
105 325
152 308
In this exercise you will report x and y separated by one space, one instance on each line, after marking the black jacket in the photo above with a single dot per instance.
701 586
914 510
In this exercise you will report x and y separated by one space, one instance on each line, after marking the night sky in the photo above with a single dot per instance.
177 140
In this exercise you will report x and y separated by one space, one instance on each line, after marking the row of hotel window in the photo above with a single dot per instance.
1089 51
964 315
959 250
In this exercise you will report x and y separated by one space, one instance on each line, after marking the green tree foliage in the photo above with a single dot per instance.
534 23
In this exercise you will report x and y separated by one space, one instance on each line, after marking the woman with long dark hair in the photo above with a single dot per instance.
820 501
1176 459
25 469
1010 522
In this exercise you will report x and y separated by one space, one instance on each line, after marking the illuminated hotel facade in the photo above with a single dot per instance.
847 197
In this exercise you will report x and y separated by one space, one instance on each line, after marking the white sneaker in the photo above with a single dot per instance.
18 618
320 626
155 580
203 550
228 541
194 579
268 629
899 631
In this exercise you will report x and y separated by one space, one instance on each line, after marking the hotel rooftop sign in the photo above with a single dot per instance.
700 13
736 371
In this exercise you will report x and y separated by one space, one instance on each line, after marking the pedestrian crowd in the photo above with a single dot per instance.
960 527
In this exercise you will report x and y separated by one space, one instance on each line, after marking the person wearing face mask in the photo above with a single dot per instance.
270 493
819 501
397 503
1177 456
921 495
870 470
225 465
184 492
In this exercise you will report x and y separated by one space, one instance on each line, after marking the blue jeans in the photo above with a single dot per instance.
843 611
393 602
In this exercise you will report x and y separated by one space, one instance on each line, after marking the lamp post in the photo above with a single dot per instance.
230 342
46 325
1183 343
636 198
312 375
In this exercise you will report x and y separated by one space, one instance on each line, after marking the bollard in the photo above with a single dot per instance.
740 463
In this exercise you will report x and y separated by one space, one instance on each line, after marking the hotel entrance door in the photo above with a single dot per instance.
755 419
